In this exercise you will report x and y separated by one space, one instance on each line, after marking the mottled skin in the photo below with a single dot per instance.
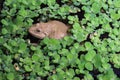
52 29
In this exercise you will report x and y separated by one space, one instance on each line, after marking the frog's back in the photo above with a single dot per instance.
59 25
59 29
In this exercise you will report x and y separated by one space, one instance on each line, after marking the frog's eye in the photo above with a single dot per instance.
38 30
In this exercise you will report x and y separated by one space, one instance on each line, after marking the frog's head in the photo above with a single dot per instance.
38 31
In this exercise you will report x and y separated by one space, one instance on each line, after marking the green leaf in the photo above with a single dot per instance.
56 58
54 77
76 78
64 10
72 19
64 62
4 22
24 2
70 73
1 40
76 45
22 47
114 58
114 15
109 75
107 27
70 57
51 2
64 52
4 31
88 16
90 55
116 3
86 9
115 31
35 57
88 46
10 76
89 66
8 47
47 65
33 48
23 12
106 66
66 41
88 76
33 2
79 33
96 7
27 68
13 43
52 44
97 61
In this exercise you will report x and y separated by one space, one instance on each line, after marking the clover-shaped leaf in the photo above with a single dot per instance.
66 41
115 31
2 40
64 62
114 15
97 61
23 12
27 68
79 33
90 55
76 78
96 7
52 44
89 66
70 73
35 57
4 22
114 58
116 3
51 2
4 31
88 46
10 76
22 47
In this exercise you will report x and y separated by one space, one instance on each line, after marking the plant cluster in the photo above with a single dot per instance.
90 52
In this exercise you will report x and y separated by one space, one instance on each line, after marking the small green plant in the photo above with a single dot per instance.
89 52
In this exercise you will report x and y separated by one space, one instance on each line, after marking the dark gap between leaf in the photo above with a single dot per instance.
26 75
1 6
95 73
43 5
59 2
32 38
105 35
14 61
81 52
116 70
111 25
99 27
81 76
97 15
79 14
118 52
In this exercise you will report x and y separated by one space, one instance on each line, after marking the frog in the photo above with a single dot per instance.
51 29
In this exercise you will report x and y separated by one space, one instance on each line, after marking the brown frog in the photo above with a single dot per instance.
52 29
